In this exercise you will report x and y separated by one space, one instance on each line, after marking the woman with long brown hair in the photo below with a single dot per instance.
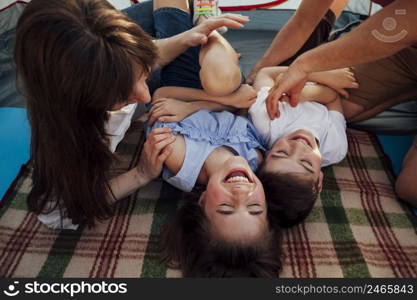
77 60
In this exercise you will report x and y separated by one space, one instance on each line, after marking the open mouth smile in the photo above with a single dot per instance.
238 176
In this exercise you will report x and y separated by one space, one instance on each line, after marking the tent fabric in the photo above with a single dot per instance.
9 95
14 141
355 6
357 227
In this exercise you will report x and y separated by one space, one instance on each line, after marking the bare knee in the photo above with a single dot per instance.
220 81
405 190
405 186
352 110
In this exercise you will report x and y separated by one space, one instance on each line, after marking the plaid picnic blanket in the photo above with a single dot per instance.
356 229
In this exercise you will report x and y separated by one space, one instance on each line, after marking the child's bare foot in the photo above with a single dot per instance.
339 80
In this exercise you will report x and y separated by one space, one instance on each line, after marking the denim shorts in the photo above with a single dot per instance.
184 70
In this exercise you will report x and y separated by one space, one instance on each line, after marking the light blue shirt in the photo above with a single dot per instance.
205 131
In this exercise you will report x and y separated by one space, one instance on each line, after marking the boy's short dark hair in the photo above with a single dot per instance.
290 196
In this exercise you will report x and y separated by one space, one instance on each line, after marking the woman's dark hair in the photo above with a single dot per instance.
290 196
76 59
187 243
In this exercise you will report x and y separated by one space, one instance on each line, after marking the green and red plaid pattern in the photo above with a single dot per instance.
357 228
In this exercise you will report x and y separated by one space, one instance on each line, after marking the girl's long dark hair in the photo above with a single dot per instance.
188 244
76 59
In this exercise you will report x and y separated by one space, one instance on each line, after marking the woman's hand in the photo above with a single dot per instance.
198 35
157 148
287 87
169 110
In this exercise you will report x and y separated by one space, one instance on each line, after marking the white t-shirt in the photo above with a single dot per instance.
329 127
116 127
118 124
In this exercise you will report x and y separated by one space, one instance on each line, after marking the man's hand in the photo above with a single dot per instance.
287 87
157 148
198 35
169 110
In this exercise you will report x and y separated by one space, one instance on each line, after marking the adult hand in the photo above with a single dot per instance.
198 35
157 148
287 87
169 110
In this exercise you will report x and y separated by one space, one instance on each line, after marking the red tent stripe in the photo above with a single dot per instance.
251 7
13 3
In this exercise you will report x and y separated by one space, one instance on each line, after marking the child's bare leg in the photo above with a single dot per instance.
220 74
181 4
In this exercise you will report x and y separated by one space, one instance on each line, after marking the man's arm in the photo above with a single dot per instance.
357 47
294 34
366 43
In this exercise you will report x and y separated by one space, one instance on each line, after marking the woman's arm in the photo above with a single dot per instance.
293 35
156 150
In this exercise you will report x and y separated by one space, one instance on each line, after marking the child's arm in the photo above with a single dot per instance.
321 94
173 110
311 92
317 93
242 98
339 79
267 76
